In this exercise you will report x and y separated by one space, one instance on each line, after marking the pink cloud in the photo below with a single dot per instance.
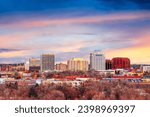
79 20
139 51
14 40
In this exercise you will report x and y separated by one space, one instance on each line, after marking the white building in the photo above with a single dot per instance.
97 61
112 72
47 62
27 65
146 68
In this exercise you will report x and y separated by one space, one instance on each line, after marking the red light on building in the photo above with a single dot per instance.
120 63
71 77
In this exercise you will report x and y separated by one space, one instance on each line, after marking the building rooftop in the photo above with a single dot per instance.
78 59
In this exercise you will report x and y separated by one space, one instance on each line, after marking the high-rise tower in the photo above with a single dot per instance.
47 62
97 61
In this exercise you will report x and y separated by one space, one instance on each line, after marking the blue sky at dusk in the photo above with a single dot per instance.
74 28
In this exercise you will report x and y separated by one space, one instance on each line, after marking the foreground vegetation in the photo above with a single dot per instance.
89 90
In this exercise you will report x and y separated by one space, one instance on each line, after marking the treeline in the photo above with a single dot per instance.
89 90
91 73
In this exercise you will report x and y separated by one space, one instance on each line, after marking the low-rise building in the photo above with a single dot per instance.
61 67
146 68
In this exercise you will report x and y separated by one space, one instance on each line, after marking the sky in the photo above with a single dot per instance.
74 28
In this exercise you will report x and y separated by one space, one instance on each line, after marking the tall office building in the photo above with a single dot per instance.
97 61
77 64
47 62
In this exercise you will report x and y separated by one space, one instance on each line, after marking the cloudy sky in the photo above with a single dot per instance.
74 28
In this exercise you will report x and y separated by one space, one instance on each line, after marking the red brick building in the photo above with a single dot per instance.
120 63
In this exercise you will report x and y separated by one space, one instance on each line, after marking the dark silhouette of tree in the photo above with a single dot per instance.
32 92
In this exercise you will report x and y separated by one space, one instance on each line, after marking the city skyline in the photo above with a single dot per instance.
70 29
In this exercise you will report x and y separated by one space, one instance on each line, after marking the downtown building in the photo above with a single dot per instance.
6 67
146 68
108 64
34 64
61 67
12 67
121 63
47 62
77 64
97 61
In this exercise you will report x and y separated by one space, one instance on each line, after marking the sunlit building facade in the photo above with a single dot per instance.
77 64
34 64
61 67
